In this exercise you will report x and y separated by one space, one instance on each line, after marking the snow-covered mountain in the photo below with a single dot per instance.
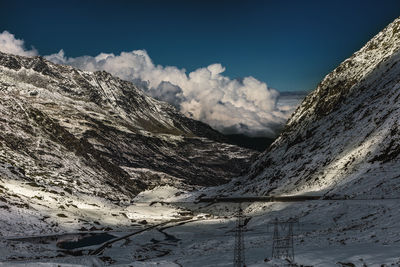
72 132
344 138
60 124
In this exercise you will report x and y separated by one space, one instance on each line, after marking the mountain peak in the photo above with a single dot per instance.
331 91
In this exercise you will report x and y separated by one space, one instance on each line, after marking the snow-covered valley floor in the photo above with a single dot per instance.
329 233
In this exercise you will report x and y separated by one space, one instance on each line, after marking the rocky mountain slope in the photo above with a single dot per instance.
72 132
344 137
343 143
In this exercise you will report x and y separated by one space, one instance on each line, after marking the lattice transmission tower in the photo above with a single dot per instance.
239 252
282 246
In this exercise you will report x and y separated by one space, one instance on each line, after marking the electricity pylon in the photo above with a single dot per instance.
282 246
239 253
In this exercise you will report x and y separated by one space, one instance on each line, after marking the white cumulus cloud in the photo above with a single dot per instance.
10 44
246 106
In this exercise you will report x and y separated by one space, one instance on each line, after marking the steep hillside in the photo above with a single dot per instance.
344 137
69 133
343 143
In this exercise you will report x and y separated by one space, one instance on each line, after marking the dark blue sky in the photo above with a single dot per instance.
290 45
